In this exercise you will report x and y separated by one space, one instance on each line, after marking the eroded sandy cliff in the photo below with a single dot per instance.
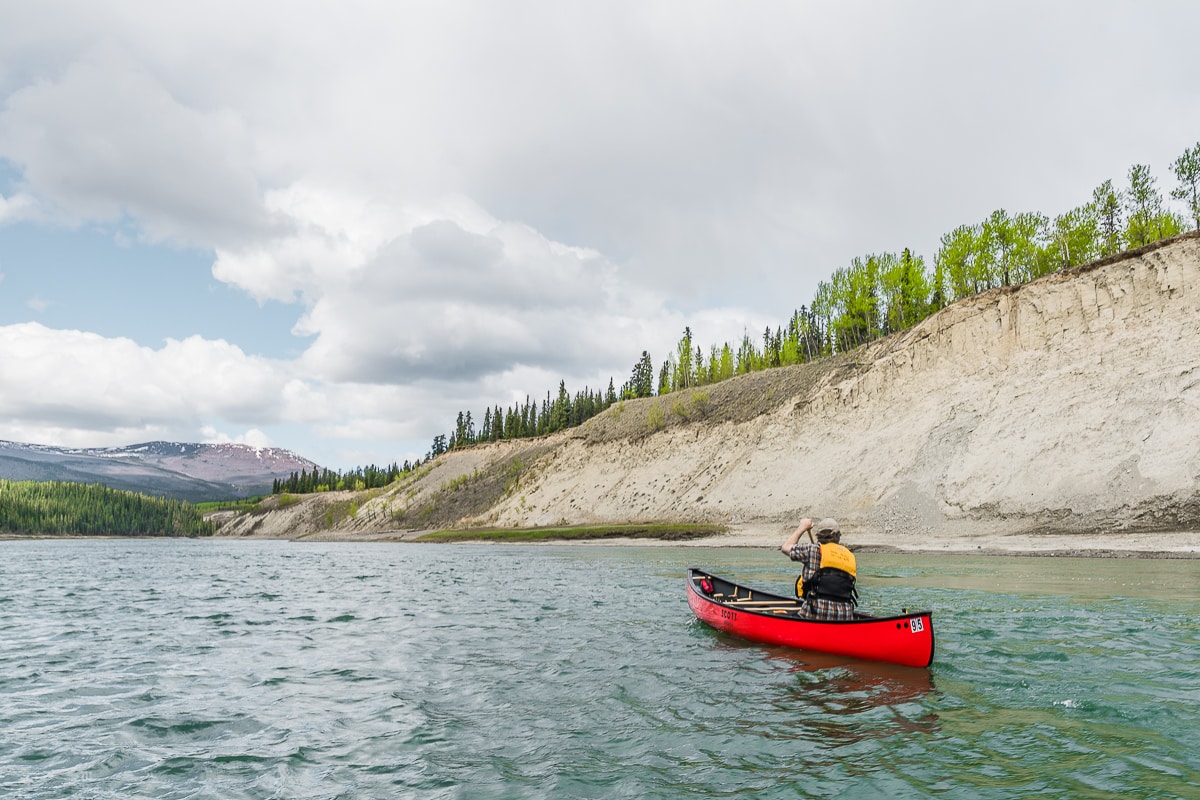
1068 405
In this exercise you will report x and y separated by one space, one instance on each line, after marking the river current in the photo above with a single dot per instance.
249 669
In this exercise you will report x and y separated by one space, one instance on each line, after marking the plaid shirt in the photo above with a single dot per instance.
816 608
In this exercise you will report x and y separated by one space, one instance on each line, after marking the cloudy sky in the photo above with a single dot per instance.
330 227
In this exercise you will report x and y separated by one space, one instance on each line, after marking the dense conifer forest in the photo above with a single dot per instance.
326 480
79 509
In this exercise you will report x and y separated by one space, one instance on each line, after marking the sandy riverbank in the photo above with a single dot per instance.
1178 544
1167 544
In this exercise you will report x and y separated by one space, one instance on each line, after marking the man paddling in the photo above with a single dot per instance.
826 583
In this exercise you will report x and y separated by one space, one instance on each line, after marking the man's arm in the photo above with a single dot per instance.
790 542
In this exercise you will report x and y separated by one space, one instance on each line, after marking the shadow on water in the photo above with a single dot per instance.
885 684
843 701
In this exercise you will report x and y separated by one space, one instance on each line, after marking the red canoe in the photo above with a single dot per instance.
772 619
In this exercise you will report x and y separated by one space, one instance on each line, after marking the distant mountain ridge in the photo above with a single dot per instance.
185 471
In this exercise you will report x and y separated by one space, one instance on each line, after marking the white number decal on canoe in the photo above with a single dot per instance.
918 625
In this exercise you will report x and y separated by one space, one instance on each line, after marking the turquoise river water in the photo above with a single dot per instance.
233 669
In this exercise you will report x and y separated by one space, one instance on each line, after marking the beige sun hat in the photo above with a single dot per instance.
828 525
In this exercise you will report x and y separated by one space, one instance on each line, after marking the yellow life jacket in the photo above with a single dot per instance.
834 556
834 579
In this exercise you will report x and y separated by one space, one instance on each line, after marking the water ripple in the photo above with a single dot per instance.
275 670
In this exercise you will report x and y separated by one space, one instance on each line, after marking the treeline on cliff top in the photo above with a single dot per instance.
874 296
79 509
880 294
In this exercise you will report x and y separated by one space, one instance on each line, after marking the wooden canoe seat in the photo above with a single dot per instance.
762 603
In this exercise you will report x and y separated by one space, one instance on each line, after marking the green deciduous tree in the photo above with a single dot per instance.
905 289
1008 251
855 294
1074 238
1028 258
995 244
665 375
685 363
1187 172
959 270
1143 204
748 359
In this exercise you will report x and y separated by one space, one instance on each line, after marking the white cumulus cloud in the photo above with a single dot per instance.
107 139
79 383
